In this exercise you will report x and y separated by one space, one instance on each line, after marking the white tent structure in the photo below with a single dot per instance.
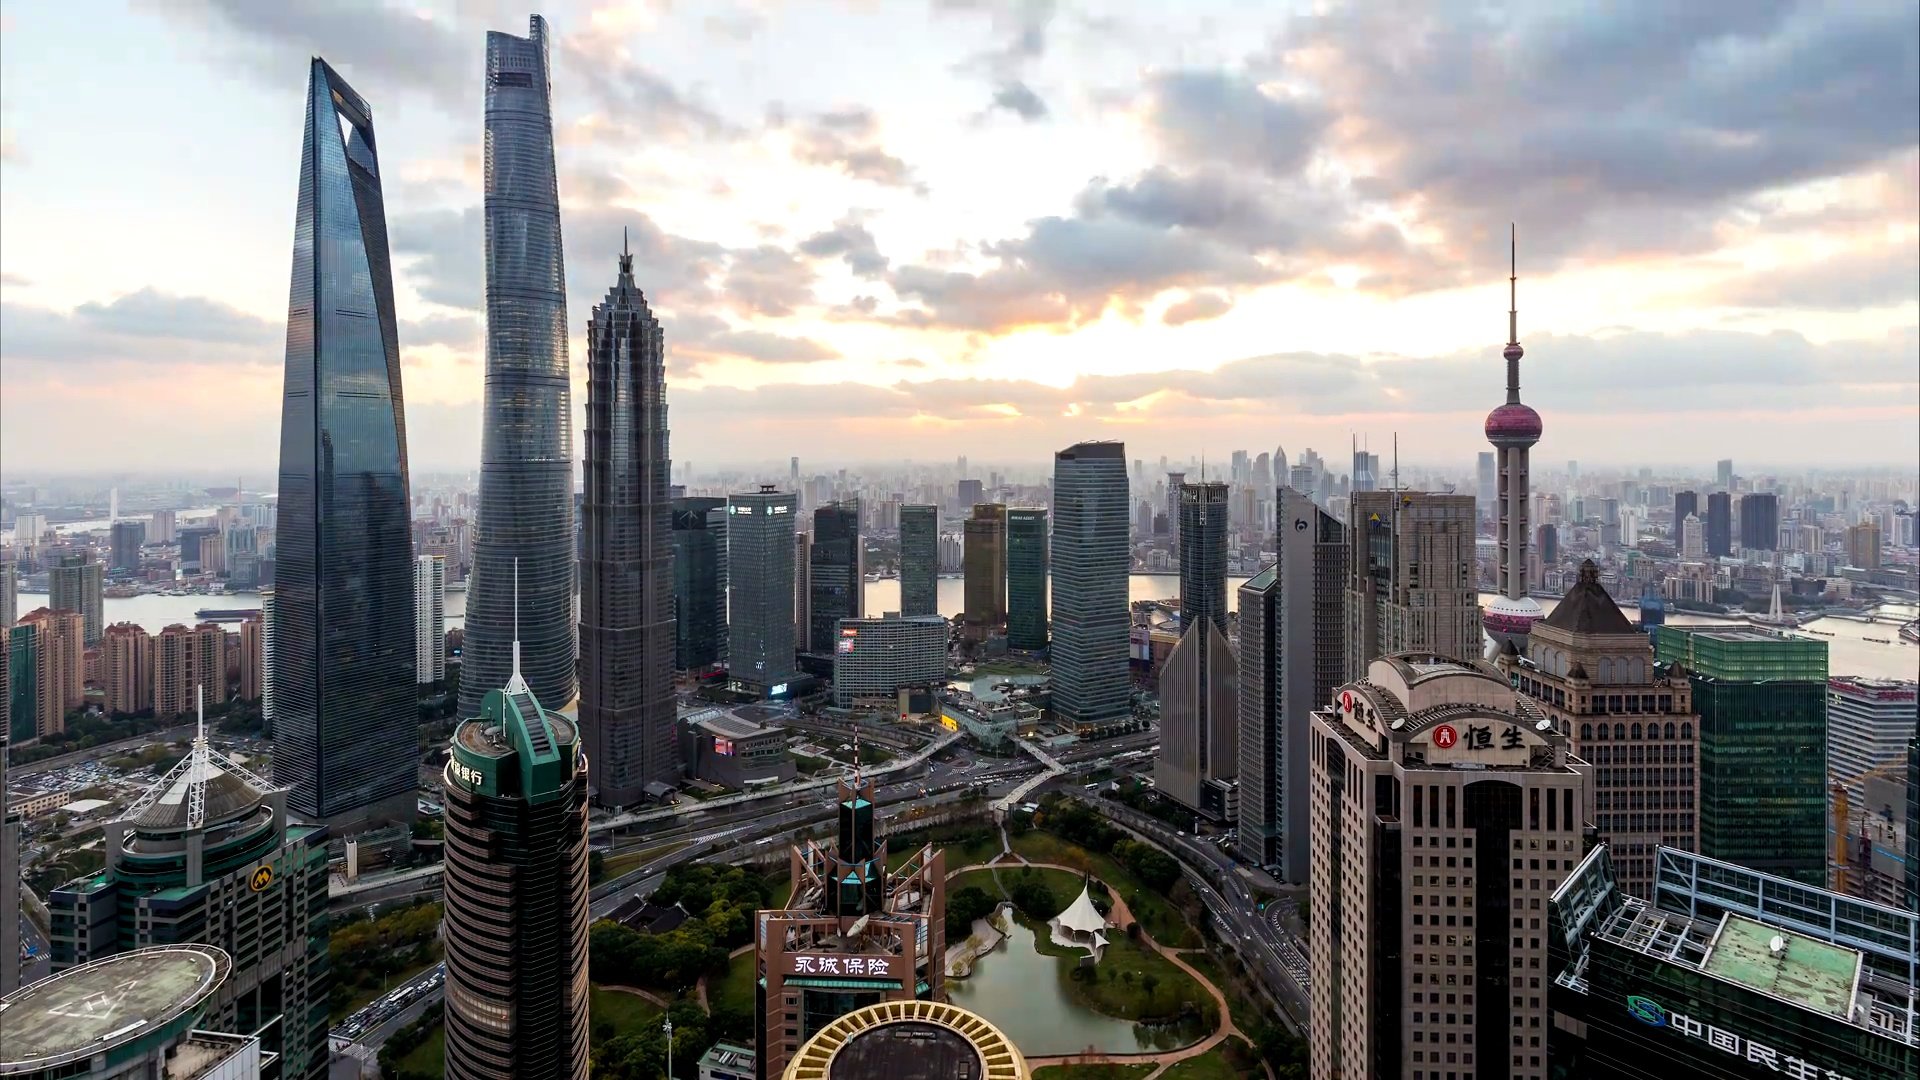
1080 926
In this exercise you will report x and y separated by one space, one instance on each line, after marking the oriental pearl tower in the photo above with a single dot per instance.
1512 428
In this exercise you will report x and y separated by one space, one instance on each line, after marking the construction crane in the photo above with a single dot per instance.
1842 815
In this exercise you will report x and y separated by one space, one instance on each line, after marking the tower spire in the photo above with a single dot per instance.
626 255
1513 351
515 683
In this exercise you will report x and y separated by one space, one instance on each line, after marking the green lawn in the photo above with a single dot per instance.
1065 884
624 1012
1246 1014
1216 1064
1092 1072
901 846
1161 919
430 1057
737 989
628 861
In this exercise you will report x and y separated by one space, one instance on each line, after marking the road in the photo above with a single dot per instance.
1269 952
104 750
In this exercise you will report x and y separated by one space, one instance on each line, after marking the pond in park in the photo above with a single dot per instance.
1021 991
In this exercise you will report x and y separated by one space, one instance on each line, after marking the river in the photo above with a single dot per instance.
1849 653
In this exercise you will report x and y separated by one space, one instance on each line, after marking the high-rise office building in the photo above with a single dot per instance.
1292 656
970 492
430 619
699 582
207 856
802 584
186 658
1027 578
161 528
526 445
760 589
345 727
1762 701
1760 521
627 639
919 559
1176 481
9 594
1863 545
127 663
252 659
57 653
266 660
1593 672
853 934
1723 474
9 832
1411 575
27 709
127 538
1719 524
516 896
875 658
834 578
1422 770
1913 822
1724 973
74 584
1199 685
1487 501
1686 504
1513 428
1869 724
1091 559
985 535
1693 537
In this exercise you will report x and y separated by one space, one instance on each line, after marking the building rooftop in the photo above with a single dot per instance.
1806 970
99 1006
1588 609
909 1040
727 725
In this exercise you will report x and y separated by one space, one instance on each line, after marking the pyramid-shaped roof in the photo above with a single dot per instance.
1587 609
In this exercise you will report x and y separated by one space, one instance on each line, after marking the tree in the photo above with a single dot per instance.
963 907
1033 898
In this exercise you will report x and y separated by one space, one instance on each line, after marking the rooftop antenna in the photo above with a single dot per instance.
856 759
516 684
1513 351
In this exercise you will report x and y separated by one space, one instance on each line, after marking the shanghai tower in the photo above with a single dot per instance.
626 565
526 443
343 665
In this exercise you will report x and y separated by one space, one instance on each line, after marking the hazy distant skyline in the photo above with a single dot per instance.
1014 227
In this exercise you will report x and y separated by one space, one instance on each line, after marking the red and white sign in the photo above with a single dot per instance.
1444 736
1346 701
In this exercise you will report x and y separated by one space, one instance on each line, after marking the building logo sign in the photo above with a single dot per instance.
1646 1010
262 877
466 774
1751 1051
1445 736
843 965
1346 701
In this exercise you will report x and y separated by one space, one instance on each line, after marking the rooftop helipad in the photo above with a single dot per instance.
98 1006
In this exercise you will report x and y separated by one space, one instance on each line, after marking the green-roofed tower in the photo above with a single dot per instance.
516 891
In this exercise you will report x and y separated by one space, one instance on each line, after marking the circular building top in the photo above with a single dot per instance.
909 1040
1514 424
101 1007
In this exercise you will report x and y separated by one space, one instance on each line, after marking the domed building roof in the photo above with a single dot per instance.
1514 424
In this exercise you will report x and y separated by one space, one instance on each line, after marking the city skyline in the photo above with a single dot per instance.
817 258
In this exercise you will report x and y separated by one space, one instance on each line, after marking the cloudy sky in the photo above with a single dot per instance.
887 229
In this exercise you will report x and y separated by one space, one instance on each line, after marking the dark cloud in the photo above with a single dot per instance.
1018 98
848 240
848 140
1615 130
1197 307
147 326
1223 116
364 39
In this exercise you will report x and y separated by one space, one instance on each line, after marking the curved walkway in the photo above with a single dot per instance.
1123 918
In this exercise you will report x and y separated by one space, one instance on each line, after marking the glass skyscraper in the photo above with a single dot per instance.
343 658
1091 560
526 444
626 569
919 559
1027 579
760 596
834 581
699 582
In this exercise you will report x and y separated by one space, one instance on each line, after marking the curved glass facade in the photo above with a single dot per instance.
526 443
343 678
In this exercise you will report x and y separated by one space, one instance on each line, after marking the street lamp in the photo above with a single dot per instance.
668 1028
